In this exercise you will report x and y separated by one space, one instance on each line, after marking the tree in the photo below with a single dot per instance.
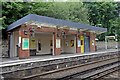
74 11
12 11
106 14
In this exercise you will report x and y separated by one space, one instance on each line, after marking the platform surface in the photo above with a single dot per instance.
15 61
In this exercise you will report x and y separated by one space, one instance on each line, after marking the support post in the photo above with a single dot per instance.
24 51
57 44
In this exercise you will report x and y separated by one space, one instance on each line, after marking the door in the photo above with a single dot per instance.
87 44
39 45
82 44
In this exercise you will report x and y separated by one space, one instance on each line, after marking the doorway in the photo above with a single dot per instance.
39 45
87 44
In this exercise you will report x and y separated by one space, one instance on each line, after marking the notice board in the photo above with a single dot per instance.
25 43
58 43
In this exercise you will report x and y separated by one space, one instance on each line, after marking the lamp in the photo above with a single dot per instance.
25 32
32 32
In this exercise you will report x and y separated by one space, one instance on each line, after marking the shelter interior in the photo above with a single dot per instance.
43 42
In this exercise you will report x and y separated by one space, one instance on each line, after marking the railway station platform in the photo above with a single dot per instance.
16 60
48 57
41 64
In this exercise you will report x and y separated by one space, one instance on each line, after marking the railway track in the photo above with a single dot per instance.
95 73
95 69
114 74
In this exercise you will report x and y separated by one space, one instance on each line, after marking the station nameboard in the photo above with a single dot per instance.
25 43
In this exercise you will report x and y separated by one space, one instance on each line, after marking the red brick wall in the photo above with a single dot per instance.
23 53
45 29
92 38
57 51
87 33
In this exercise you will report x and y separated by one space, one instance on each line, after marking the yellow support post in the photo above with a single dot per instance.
82 44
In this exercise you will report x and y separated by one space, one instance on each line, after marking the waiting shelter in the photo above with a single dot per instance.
41 35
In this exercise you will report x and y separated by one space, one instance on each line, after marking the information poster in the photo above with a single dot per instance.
72 43
19 41
32 43
79 43
25 43
58 43
66 43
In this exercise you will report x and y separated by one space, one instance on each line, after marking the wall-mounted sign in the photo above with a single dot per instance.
25 43
66 43
32 43
72 43
58 43
79 44
19 41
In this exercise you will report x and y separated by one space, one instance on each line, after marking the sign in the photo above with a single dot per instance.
19 41
66 43
25 43
32 43
58 43
79 44
72 43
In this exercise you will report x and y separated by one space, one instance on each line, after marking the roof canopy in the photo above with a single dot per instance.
53 21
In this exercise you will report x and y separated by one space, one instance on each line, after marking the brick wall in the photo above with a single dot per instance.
57 35
92 42
23 53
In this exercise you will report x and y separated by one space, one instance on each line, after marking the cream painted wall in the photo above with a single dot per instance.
45 43
68 48
14 43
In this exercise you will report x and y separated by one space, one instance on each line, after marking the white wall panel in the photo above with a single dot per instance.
68 48
45 43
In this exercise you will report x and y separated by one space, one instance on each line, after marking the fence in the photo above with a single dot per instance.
110 45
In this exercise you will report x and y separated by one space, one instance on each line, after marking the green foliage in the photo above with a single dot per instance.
104 14
13 11
69 11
